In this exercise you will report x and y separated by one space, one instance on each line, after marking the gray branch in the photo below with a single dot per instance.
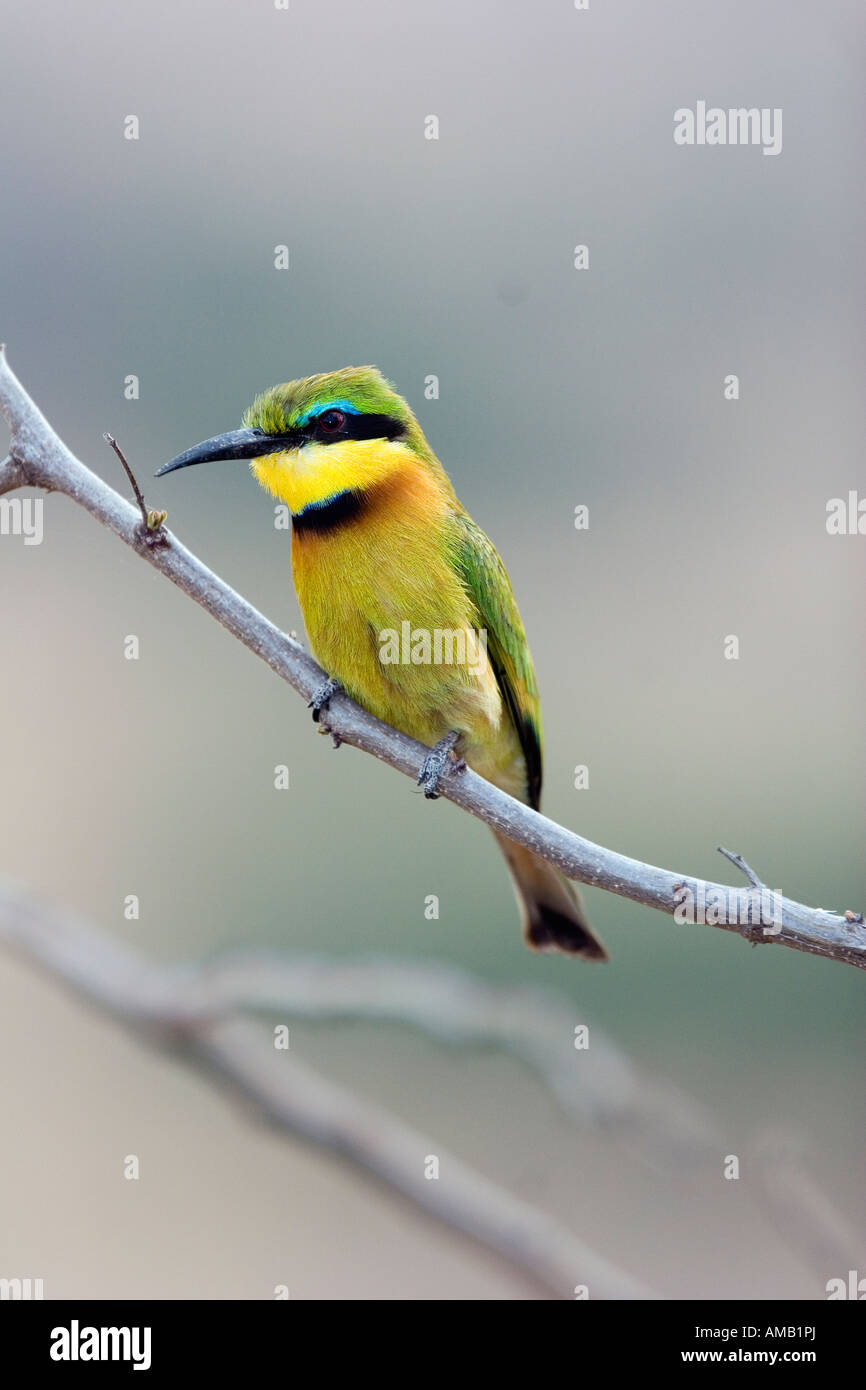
192 1010
39 458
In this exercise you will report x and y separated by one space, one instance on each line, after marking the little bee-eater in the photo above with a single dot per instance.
382 550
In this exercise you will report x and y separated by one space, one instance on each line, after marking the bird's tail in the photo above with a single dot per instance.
553 915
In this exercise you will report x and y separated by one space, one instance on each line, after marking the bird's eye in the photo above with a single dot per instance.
331 421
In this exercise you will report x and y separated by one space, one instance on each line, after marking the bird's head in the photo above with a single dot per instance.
312 439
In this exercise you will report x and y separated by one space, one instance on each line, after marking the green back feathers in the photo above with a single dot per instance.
486 579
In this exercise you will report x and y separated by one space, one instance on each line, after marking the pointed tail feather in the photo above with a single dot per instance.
553 915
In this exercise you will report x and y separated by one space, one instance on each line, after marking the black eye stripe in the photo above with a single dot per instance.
357 427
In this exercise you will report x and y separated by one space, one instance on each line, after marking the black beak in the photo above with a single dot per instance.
237 444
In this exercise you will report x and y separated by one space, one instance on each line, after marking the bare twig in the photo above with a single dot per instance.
741 864
176 1008
41 459
152 521
112 442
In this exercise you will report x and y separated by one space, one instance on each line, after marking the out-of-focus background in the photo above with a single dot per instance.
454 257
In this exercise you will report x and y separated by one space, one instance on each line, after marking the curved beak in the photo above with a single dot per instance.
236 444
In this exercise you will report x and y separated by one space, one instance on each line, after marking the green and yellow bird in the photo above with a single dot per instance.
381 545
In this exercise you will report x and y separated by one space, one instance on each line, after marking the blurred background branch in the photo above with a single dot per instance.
193 1011
39 458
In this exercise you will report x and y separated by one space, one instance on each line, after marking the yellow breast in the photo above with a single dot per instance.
384 569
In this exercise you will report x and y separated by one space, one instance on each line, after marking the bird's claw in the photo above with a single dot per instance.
322 697
435 763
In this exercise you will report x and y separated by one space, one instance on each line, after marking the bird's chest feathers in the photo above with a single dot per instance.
373 558
372 531
374 585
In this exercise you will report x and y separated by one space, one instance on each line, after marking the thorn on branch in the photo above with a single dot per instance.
152 521
741 864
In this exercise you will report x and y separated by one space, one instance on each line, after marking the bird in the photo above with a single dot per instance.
384 557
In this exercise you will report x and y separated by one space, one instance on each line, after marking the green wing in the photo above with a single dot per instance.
487 582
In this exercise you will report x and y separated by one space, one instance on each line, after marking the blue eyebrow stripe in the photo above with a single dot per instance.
320 408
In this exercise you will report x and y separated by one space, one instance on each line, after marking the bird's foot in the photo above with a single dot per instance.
322 697
435 763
